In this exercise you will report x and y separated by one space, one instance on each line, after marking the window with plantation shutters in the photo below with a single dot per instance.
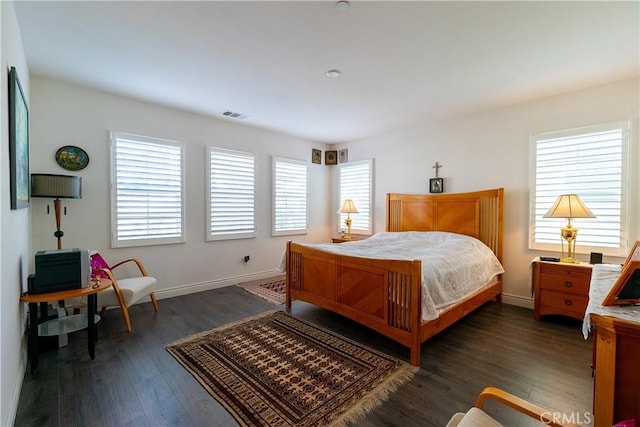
356 183
147 191
593 163
289 197
231 194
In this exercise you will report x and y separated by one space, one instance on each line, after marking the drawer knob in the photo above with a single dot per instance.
568 284
568 302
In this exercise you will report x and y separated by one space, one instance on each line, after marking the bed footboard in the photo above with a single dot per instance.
381 294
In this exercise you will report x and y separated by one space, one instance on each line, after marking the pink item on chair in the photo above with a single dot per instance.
98 262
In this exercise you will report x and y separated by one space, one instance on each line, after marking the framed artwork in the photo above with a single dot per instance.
331 157
18 143
343 156
72 158
316 156
626 289
436 185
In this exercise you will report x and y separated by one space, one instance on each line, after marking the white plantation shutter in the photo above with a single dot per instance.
356 180
289 197
593 163
147 187
231 194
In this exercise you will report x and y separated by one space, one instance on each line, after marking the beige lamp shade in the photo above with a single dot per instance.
348 207
569 206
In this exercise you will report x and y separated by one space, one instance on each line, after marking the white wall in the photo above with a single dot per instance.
64 114
15 231
491 150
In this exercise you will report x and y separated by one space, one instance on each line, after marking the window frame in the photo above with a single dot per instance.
116 242
296 231
590 197
209 235
355 229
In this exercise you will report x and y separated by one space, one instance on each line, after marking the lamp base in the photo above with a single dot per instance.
570 260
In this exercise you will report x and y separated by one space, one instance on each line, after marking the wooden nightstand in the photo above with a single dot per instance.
353 237
560 288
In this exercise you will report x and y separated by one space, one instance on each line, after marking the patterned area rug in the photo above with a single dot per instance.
276 370
272 289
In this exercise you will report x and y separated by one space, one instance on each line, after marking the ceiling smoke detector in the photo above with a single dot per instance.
334 74
342 5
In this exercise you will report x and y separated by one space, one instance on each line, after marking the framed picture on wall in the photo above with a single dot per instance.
343 156
331 157
316 156
436 185
18 143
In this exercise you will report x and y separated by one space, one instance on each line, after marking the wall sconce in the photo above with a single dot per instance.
57 187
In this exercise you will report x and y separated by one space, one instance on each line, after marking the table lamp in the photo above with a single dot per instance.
348 207
58 187
569 206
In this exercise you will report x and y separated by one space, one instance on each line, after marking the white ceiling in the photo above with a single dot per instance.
401 62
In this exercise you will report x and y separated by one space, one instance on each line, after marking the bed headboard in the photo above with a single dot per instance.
479 214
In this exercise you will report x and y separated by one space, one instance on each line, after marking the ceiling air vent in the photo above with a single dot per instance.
233 114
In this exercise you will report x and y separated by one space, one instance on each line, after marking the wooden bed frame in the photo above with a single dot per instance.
385 295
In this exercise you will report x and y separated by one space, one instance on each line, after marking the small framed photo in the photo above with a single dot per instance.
436 185
343 156
331 157
316 156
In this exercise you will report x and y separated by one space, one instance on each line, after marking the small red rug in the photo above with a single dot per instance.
272 288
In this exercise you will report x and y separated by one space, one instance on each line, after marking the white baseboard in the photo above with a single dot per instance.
176 291
15 394
517 300
214 284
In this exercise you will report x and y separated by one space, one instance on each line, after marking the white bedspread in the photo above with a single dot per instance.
453 265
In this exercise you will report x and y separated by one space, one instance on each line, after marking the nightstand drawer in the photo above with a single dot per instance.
566 269
562 303
571 283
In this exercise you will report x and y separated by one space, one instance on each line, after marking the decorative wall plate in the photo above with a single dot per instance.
72 158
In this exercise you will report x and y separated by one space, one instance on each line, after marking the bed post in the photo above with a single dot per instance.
416 312
288 277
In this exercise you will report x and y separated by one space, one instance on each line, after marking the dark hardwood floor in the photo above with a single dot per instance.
134 381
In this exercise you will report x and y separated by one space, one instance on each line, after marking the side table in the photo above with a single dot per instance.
560 288
65 324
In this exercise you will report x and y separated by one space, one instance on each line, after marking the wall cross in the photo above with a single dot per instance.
436 167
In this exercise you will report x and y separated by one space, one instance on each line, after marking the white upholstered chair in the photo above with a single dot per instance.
125 291
477 417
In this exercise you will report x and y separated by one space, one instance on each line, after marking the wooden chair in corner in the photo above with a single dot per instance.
125 291
476 416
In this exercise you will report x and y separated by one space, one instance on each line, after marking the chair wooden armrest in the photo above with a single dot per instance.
143 271
520 405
